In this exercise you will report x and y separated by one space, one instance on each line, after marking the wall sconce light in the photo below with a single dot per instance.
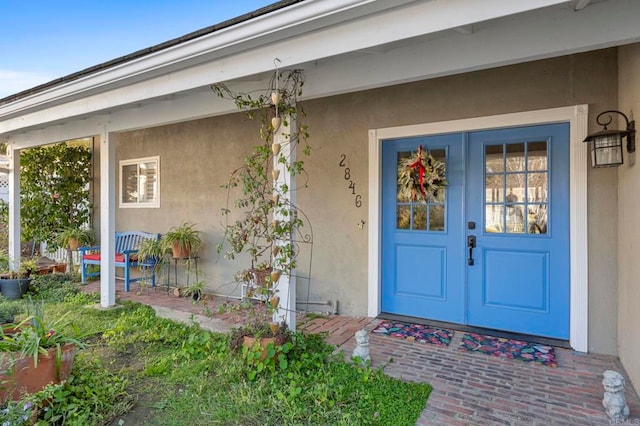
606 145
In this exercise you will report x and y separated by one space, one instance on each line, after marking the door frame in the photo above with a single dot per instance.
577 117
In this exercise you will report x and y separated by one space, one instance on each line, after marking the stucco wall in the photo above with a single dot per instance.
628 226
195 160
197 156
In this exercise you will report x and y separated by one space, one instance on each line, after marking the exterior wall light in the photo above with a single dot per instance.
606 145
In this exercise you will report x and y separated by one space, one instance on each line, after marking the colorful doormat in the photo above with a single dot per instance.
415 332
506 348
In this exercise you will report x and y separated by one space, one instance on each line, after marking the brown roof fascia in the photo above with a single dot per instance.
149 50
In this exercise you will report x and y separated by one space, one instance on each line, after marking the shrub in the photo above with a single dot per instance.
53 287
8 310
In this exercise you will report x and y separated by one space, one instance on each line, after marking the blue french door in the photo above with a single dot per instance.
493 250
423 252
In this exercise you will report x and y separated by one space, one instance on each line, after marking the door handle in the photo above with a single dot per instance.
471 243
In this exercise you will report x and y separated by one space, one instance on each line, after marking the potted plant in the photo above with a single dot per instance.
13 284
72 238
28 267
193 290
184 240
152 252
36 354
261 343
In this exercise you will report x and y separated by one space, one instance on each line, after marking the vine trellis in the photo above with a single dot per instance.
270 229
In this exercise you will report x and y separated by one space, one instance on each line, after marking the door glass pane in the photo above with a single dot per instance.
537 156
436 218
440 155
537 219
419 217
494 189
536 187
404 217
402 198
516 195
515 157
494 217
494 159
515 219
515 188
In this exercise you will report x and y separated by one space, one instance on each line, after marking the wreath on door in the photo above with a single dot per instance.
421 177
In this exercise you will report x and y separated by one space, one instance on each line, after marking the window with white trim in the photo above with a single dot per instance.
140 183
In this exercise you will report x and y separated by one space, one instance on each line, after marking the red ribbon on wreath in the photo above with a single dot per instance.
421 170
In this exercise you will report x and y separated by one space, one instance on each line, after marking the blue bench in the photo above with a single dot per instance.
126 248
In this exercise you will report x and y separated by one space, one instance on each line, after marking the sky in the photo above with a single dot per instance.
41 40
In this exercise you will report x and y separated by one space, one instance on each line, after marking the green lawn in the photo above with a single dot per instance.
141 369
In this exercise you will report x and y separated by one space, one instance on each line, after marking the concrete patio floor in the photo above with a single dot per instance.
468 388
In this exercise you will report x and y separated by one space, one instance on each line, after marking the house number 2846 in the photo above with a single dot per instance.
352 185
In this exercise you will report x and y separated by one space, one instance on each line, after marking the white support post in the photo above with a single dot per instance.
286 285
107 219
14 208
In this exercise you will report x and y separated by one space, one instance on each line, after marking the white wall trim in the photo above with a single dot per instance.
576 116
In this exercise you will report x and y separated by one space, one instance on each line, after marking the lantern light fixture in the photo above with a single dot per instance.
606 145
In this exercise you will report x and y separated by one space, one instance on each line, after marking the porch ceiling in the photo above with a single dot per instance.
380 43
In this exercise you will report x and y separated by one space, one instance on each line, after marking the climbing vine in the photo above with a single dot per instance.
54 190
258 232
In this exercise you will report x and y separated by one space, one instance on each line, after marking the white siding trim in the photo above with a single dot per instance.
576 116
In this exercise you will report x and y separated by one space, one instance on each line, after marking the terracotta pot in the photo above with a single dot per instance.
180 252
248 342
23 377
73 244
9 330
60 268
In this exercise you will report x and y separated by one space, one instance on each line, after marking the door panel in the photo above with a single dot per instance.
532 272
423 252
518 187
430 259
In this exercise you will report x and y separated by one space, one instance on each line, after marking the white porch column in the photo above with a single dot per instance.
14 207
286 286
107 218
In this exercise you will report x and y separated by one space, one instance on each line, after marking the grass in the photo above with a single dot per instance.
183 375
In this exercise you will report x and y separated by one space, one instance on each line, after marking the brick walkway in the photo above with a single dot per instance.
468 388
